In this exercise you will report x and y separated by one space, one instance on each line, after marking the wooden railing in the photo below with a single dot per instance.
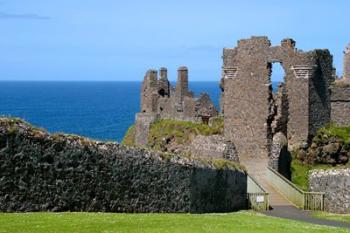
301 199
258 198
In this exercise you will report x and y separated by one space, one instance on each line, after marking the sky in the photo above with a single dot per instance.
112 40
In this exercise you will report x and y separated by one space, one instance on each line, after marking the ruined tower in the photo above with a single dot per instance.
149 93
161 101
346 64
249 104
181 89
163 83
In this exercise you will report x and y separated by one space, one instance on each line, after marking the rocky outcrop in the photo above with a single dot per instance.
326 151
44 172
336 186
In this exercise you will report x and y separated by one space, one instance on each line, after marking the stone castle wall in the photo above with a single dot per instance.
336 186
43 172
249 105
340 103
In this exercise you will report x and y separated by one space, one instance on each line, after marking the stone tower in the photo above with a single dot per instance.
181 87
346 65
163 83
248 100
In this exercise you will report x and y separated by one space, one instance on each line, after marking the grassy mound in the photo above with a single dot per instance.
179 132
102 222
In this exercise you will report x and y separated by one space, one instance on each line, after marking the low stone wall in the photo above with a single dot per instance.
213 146
336 186
43 172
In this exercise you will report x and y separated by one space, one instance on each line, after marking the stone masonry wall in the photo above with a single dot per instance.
340 102
336 186
43 172
248 101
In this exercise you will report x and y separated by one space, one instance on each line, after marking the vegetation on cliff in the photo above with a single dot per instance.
329 148
331 145
165 132
129 138
170 132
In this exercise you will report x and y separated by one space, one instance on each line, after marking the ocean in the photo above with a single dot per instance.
98 110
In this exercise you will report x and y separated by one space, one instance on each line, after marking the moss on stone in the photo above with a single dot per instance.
226 164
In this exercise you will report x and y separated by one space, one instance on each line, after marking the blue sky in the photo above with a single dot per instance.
120 40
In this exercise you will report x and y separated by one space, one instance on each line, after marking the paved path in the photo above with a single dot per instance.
291 212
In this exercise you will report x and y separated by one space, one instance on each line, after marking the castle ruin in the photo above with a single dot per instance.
253 114
159 100
263 126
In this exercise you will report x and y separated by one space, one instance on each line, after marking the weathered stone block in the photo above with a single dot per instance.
336 186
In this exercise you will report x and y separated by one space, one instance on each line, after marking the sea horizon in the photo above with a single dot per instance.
101 110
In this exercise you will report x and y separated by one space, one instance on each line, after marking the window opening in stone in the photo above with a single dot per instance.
161 92
277 75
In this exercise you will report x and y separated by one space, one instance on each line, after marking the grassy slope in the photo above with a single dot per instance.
129 137
335 217
332 130
100 222
300 172
180 131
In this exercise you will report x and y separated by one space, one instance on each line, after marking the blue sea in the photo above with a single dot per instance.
99 110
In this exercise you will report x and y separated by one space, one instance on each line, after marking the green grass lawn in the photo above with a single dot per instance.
107 222
330 216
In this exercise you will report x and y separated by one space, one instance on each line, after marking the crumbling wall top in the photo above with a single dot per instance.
254 40
288 43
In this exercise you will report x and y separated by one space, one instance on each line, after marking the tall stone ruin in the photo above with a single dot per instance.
159 100
253 114
340 97
346 64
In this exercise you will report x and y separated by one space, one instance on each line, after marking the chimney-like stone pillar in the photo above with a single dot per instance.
346 64
181 86
163 73
163 83
149 92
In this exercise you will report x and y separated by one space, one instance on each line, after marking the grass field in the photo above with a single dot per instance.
103 222
335 217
